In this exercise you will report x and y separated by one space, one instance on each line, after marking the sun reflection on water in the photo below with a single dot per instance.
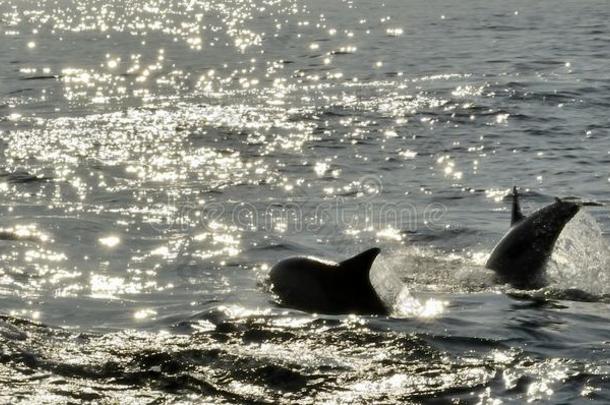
409 306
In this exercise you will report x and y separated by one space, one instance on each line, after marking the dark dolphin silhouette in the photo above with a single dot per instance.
314 285
521 255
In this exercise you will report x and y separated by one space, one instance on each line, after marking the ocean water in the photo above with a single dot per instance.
157 157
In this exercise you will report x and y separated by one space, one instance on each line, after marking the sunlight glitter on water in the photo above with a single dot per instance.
110 241
408 306
160 156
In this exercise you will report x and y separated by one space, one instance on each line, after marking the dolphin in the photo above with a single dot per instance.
521 255
319 286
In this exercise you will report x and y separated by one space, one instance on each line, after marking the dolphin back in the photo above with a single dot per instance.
314 285
360 265
521 256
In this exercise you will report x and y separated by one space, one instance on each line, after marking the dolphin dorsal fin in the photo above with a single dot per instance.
362 262
517 215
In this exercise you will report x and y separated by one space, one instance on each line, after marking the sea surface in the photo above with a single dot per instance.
157 157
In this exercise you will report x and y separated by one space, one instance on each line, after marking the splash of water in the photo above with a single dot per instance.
581 259
400 278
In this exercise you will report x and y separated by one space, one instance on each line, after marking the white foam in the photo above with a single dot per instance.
581 258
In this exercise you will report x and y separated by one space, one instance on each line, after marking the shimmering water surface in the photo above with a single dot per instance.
157 157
